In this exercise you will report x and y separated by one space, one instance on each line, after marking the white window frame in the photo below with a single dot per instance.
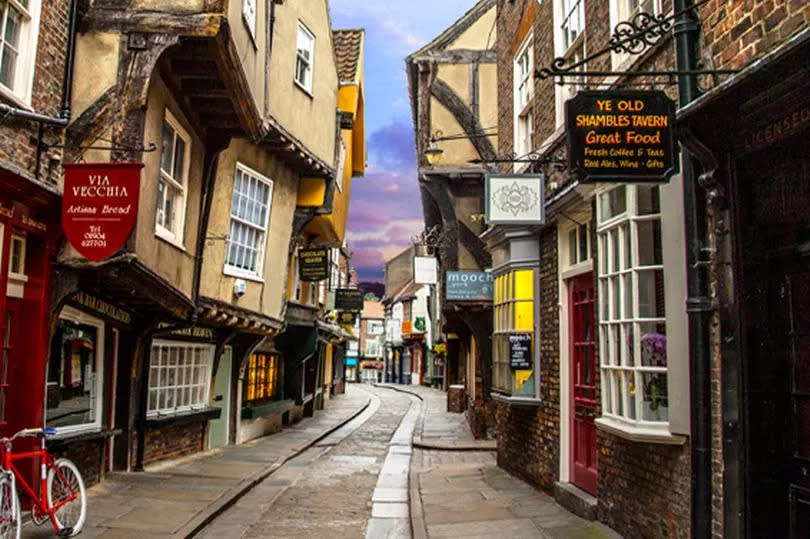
203 386
614 323
375 327
373 348
176 236
74 315
21 89
305 84
523 94
249 16
573 51
262 230
341 164
620 10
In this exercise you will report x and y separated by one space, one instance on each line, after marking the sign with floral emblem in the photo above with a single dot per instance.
100 206
515 199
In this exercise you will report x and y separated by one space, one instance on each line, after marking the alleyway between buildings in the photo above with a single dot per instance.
378 462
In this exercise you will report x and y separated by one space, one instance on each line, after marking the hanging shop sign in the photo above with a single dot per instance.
520 351
468 286
621 136
515 199
100 206
347 318
425 270
419 324
313 264
349 299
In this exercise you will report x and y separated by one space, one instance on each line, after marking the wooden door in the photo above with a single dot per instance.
582 353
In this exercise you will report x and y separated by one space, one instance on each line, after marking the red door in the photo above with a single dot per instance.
583 383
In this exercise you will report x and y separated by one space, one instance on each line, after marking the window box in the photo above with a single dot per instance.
265 409
528 402
70 437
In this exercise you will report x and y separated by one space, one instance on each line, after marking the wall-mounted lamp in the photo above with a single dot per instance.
433 154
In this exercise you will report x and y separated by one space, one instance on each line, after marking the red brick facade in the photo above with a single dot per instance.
17 151
174 441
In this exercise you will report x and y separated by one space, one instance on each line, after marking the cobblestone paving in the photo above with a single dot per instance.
326 491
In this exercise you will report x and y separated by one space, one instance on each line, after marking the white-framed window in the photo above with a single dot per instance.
305 55
632 311
250 215
341 164
625 10
175 159
375 327
179 377
16 265
523 93
513 314
579 244
75 373
569 43
19 32
334 269
373 348
249 16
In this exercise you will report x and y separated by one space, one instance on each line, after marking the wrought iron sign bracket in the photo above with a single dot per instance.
633 36
148 148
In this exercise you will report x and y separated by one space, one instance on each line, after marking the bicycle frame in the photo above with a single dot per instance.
46 461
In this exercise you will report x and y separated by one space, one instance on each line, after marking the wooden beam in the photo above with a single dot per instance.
459 56
445 95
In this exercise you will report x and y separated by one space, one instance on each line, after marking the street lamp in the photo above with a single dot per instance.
433 154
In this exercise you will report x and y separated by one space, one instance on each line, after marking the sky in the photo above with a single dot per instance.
386 209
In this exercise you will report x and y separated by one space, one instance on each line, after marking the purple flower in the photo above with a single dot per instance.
654 349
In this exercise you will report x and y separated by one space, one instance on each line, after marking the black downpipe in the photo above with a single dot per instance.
698 303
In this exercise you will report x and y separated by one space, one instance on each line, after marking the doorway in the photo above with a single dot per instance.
775 311
220 427
582 348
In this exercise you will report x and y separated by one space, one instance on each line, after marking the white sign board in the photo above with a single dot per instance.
516 199
425 270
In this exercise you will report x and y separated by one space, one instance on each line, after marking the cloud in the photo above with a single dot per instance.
391 188
393 148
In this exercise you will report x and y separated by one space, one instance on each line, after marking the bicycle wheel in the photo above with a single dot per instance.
10 518
62 486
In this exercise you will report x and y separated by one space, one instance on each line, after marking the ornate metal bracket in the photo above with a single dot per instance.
430 237
634 36
532 157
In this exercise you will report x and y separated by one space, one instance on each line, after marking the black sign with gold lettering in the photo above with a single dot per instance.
621 136
313 264
349 299
347 318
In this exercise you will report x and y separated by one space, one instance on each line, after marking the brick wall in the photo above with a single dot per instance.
17 153
87 455
173 441
643 488
738 31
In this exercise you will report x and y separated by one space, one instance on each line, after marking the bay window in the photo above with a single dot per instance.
513 310
250 215
173 181
179 377
636 350
19 30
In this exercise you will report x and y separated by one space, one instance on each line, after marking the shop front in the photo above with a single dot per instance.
750 135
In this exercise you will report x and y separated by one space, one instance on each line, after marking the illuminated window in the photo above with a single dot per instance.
513 314
262 377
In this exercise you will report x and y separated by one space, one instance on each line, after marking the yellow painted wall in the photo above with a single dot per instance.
306 116
264 297
251 50
488 99
475 37
96 68
175 263
456 152
457 76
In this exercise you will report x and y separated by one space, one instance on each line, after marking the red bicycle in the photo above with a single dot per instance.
61 497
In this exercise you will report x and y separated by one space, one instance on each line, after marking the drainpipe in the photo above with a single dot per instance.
698 302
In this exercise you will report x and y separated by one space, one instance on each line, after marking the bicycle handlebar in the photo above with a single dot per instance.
27 433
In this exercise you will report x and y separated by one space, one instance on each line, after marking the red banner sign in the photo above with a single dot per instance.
100 206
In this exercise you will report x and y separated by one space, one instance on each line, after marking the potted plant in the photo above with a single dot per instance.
654 353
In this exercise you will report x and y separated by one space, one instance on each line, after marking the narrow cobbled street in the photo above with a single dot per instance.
327 490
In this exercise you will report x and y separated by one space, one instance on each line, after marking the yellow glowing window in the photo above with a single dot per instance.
261 381
513 313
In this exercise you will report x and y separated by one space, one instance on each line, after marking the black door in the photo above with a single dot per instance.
775 304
